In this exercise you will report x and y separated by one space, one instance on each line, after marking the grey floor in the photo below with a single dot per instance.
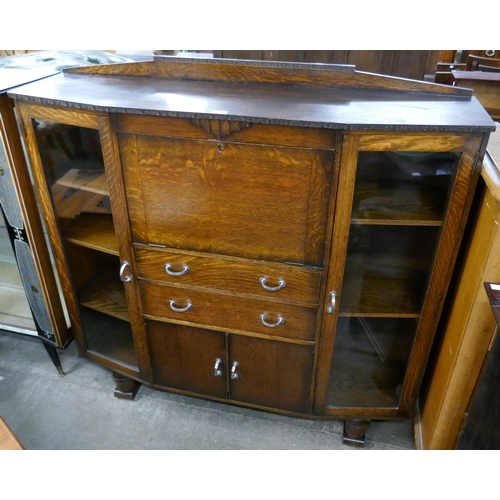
78 411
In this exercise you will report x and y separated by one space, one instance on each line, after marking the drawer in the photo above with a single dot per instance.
228 312
284 282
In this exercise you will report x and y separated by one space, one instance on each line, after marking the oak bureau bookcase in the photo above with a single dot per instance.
274 235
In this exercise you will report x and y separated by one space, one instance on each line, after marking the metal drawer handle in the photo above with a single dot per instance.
234 375
179 309
168 270
280 321
333 299
217 372
281 284
125 279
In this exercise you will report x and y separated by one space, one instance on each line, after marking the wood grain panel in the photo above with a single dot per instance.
184 358
411 142
467 333
227 273
228 311
58 115
258 133
223 198
270 373
252 71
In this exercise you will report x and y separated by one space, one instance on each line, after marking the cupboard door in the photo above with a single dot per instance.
402 200
270 373
190 359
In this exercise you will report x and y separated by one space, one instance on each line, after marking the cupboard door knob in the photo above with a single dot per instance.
168 270
179 309
125 279
281 284
280 321
333 299
217 372
234 375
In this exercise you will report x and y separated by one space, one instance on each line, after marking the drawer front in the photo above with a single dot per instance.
241 276
245 200
229 312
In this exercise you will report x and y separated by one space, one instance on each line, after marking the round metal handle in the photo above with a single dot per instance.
490 53
281 284
280 321
125 279
179 309
333 299
234 375
168 270
217 372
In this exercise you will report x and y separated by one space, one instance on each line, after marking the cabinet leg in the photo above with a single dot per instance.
52 352
126 388
354 432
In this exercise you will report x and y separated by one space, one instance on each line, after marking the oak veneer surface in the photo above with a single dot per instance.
333 107
469 326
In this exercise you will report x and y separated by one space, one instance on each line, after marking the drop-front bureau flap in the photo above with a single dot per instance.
246 200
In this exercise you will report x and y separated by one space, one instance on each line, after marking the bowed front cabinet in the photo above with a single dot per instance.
279 236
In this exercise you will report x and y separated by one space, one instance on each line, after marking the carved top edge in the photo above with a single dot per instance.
258 63
266 121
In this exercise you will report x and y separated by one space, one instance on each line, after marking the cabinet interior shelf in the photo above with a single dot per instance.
109 338
93 231
373 292
396 222
86 179
399 204
105 293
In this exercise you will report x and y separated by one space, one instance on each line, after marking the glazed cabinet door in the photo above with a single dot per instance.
400 207
73 165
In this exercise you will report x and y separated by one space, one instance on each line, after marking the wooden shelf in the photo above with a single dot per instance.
94 231
398 205
105 293
87 179
109 338
382 291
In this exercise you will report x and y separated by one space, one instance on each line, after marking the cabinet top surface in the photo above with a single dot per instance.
350 101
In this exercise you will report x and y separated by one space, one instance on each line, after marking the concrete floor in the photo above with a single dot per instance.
78 411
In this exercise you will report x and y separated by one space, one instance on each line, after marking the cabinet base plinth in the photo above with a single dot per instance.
354 432
126 388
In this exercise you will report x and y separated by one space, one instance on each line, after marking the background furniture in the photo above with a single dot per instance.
30 300
468 327
481 431
486 87
274 235
31 264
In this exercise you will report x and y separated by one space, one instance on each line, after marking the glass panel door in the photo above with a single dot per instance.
74 171
398 211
